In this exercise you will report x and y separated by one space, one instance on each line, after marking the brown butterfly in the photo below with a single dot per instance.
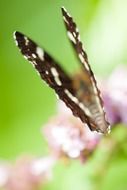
79 93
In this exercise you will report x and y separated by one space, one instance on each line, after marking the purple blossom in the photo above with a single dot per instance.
114 91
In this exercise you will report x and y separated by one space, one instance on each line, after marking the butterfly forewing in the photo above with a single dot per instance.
47 67
51 73
85 84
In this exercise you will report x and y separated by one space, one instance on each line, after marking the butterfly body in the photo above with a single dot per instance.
80 93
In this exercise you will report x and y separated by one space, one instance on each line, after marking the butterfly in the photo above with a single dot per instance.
79 93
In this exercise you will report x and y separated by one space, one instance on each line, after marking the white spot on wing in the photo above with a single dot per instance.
86 66
64 8
16 42
94 87
96 96
78 37
40 53
75 100
85 109
81 57
65 20
25 57
83 61
26 40
71 37
34 62
66 11
14 36
34 55
74 34
56 76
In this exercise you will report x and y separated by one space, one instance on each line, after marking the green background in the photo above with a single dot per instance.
26 103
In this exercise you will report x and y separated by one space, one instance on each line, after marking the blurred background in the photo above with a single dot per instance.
26 103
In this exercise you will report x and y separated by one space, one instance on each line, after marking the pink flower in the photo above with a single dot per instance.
4 173
67 135
29 173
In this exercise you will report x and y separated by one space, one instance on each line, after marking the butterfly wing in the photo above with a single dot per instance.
52 74
85 84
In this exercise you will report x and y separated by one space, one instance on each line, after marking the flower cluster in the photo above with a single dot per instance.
68 136
26 174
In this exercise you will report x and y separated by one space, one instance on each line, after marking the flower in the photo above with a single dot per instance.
4 173
29 173
67 135
114 92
